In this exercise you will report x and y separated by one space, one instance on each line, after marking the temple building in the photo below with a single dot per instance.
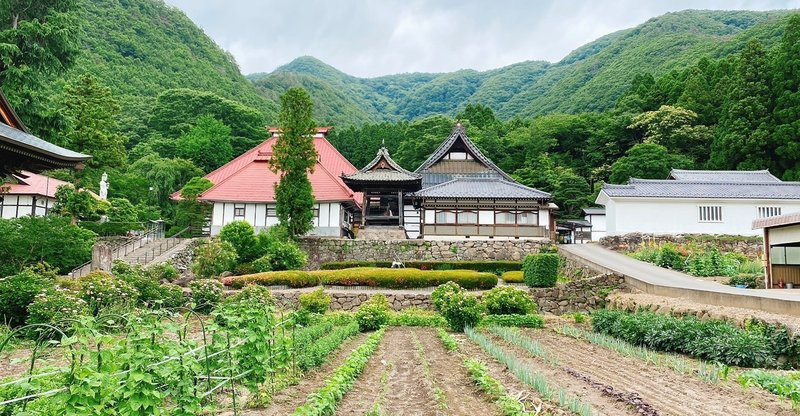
465 195
386 189
20 150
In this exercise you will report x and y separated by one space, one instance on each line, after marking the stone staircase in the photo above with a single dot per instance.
156 251
382 233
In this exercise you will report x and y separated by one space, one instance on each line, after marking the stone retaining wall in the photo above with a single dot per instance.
350 301
322 250
583 295
751 247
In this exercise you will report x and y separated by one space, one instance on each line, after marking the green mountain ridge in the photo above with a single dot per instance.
590 78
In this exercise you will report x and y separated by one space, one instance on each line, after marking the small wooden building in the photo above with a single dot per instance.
781 249
385 186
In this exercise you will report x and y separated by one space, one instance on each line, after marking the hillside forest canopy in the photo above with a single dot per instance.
154 134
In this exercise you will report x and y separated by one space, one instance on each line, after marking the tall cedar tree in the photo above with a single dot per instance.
38 40
294 157
742 136
91 112
787 104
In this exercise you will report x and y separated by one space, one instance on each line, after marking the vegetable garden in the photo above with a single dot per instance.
494 355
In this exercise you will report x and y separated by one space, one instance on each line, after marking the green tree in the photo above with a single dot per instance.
742 139
38 40
294 157
164 176
676 129
30 240
647 161
91 110
571 192
77 204
190 211
787 104
207 144
242 237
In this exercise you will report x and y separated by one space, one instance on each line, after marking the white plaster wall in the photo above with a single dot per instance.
598 226
327 223
486 217
670 216
411 221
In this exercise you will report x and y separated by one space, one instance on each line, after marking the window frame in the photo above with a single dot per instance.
710 214
237 207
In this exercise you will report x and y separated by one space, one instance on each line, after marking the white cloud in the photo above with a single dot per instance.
372 38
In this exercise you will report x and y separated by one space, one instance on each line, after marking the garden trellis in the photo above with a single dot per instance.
155 365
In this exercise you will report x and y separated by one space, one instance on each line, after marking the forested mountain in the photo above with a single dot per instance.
591 78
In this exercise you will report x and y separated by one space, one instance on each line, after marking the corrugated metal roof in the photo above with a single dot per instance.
777 221
248 178
482 188
740 176
29 183
649 188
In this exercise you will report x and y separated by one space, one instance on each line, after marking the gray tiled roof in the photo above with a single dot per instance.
18 138
741 176
482 188
649 188
459 132
395 174
594 211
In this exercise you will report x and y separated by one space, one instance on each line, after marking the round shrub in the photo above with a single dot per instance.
286 255
669 257
262 264
374 313
212 258
462 310
163 272
253 293
171 296
315 302
54 306
506 300
101 290
244 268
242 236
442 294
541 270
206 293
17 292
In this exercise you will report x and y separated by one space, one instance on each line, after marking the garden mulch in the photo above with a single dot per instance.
667 391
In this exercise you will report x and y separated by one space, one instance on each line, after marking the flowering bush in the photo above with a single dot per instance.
458 308
442 293
212 258
253 293
163 271
101 289
206 293
17 292
373 313
171 295
54 306
506 300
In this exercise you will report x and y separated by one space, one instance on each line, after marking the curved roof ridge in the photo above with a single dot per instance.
459 131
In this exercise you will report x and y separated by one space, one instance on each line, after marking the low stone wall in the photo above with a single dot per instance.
751 247
351 300
583 295
322 250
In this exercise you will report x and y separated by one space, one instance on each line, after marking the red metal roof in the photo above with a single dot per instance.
33 184
249 179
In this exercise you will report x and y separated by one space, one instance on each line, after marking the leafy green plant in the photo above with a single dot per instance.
416 317
669 257
508 405
441 295
162 271
206 293
101 290
55 306
260 265
259 295
448 341
506 300
578 317
374 313
17 292
525 321
750 281
171 296
312 351
784 385
323 402
212 258
541 270
315 302
462 310
242 236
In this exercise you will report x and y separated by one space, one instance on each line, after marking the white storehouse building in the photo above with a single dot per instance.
244 189
28 193
697 202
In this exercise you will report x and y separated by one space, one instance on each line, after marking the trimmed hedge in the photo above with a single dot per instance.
514 276
490 266
541 270
759 345
369 276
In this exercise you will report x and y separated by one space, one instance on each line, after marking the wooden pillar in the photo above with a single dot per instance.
400 207
767 260
364 209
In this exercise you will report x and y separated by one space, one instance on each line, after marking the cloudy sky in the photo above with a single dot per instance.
370 38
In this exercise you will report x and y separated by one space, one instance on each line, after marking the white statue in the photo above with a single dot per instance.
104 187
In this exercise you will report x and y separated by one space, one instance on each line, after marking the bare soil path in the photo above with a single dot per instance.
461 394
292 397
406 391
558 378
669 392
